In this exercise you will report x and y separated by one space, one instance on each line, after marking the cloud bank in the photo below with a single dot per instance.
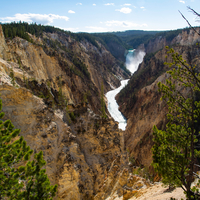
45 19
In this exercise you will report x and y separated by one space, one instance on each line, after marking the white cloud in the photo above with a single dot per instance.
143 8
79 4
94 4
71 12
126 24
124 10
45 19
181 1
127 4
109 4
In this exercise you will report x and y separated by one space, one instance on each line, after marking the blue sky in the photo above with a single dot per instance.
102 15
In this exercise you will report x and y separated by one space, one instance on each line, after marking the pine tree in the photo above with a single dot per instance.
19 177
174 152
12 76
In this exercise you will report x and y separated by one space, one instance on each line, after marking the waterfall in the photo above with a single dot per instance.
133 59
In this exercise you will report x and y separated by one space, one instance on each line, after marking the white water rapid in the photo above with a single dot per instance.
113 106
133 59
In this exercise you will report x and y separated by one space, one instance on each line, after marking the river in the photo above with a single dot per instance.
113 106
132 62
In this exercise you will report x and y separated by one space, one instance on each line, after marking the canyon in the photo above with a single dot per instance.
51 88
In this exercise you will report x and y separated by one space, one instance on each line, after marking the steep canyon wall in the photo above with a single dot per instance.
140 100
53 96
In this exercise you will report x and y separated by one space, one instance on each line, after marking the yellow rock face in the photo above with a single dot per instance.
3 46
78 162
78 154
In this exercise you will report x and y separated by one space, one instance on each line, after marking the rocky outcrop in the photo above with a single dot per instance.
124 185
185 38
78 157
3 46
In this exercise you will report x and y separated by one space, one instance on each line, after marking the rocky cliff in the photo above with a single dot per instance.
78 157
50 89
55 59
140 100
183 37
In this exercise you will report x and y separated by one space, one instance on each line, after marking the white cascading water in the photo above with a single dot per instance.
133 59
113 106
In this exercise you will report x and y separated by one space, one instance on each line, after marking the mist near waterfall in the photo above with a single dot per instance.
133 59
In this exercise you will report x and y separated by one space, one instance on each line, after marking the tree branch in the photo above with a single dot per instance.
189 23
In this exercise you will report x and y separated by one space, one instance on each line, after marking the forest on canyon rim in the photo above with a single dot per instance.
52 88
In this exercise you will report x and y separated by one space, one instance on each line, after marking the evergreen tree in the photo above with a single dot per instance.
12 76
174 152
20 178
